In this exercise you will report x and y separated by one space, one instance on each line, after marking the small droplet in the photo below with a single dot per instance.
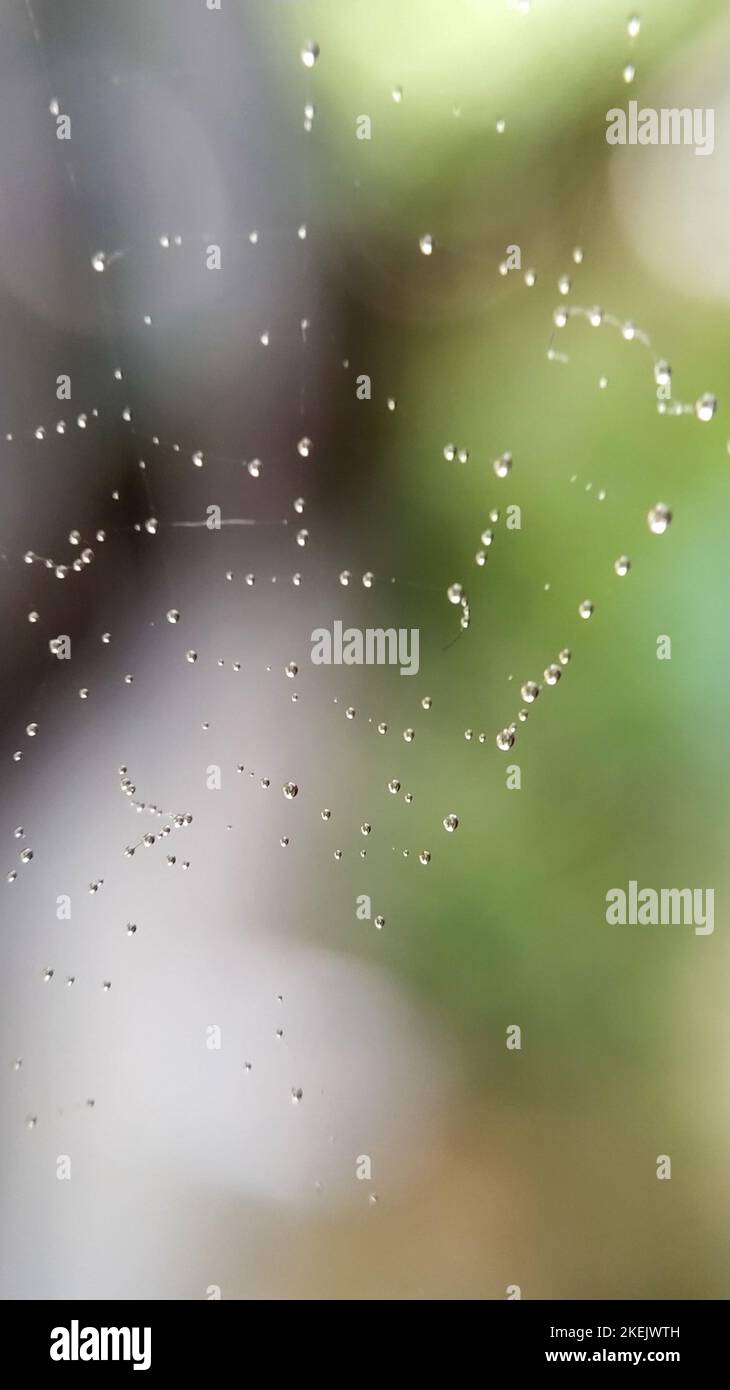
629 72
290 790
622 565
451 822
409 735
426 244
99 261
552 674
585 609
529 692
304 447
502 465
705 407
455 593
505 740
633 26
296 1094
173 615
310 53
659 519
25 856
425 856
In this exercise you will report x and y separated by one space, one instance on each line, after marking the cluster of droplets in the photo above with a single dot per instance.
456 595
80 562
25 855
704 408
174 820
531 689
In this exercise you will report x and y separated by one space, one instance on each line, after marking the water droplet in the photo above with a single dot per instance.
455 593
47 975
662 373
426 244
564 284
296 1094
560 317
530 691
451 822
633 26
530 278
368 580
394 785
585 609
304 447
310 53
426 702
173 615
99 261
291 669
25 856
552 674
425 856
629 72
564 656
659 519
502 465
290 790
350 712
409 735
31 730
705 407
302 536
505 740
622 565
379 923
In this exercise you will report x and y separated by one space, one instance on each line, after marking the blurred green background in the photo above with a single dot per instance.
625 1030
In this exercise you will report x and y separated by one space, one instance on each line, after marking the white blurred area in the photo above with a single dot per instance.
673 207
